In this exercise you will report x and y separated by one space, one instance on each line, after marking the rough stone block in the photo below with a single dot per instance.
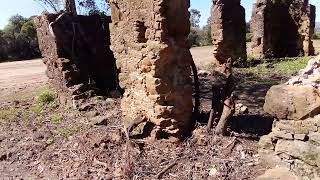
292 102
228 32
77 54
149 39
282 28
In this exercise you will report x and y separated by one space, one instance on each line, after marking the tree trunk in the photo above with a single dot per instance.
228 111
70 7
222 101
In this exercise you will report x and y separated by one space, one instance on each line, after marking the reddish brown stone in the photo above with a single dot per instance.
229 32
282 28
77 54
149 39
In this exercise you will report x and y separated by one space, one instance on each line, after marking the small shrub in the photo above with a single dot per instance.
56 118
37 109
3 115
44 100
47 97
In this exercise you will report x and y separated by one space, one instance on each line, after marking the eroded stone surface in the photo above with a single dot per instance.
149 39
282 28
278 174
309 76
292 102
77 55
295 138
228 32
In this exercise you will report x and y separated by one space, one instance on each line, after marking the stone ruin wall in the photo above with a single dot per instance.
294 142
75 51
282 29
229 32
149 40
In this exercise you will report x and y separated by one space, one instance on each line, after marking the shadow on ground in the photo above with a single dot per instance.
250 91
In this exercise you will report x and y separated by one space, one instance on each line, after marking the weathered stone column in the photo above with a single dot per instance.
282 28
76 51
149 39
229 32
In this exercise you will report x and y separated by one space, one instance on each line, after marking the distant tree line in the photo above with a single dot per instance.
199 36
18 39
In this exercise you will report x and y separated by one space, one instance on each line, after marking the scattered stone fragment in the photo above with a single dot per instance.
292 102
296 133
241 109
86 107
99 120
278 174
203 73
301 137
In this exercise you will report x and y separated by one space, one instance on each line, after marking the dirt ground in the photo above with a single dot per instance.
57 142
19 79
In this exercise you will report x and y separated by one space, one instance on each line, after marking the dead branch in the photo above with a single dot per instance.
166 169
210 122
227 113
97 162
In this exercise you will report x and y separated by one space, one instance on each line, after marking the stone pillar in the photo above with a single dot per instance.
306 28
229 32
257 27
282 28
149 40
77 55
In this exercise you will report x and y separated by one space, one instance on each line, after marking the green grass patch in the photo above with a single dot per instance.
45 99
3 115
291 67
56 118
282 67
10 115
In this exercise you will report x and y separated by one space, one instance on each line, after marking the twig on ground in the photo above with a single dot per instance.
230 146
166 169
97 162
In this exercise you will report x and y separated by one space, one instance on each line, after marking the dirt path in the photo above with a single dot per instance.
20 78
19 74
202 56
16 74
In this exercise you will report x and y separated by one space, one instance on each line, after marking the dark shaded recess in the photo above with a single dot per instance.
251 124
87 45
142 32
282 32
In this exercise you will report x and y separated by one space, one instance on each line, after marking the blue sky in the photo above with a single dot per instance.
204 7
30 7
